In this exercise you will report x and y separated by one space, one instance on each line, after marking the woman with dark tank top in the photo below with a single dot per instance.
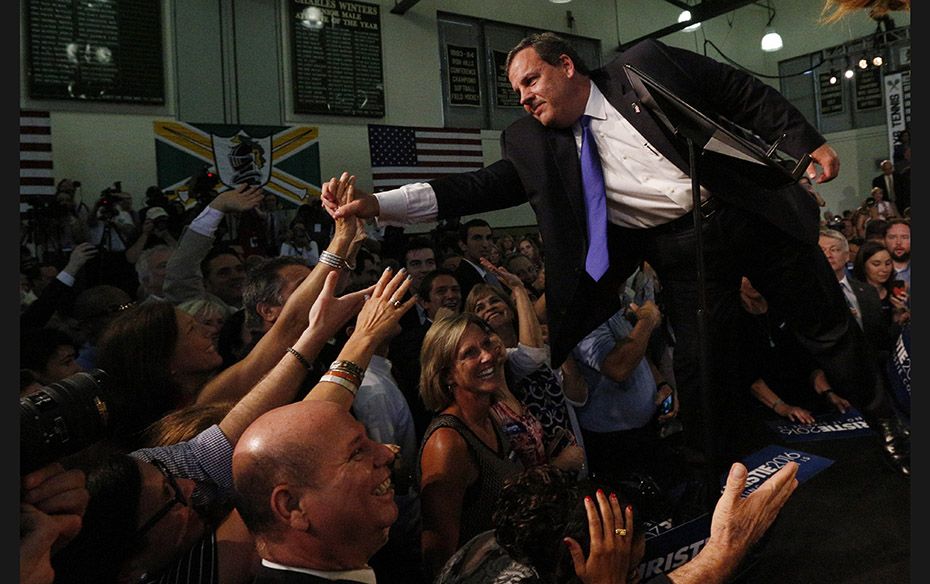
464 458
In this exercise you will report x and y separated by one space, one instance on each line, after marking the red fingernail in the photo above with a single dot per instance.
600 491
629 508
613 495
587 499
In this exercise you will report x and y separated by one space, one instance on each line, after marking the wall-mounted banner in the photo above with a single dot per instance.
285 160
898 108
826 427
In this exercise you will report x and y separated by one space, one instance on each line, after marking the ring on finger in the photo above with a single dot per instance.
620 531
396 303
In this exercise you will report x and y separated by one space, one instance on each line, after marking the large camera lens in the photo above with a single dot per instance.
63 418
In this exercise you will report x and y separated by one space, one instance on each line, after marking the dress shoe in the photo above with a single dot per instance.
895 444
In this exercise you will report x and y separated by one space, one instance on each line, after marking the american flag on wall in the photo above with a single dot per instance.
35 153
401 154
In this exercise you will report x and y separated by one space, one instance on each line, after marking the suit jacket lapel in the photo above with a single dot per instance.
565 155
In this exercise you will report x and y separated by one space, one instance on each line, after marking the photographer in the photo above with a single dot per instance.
155 197
155 231
55 226
110 225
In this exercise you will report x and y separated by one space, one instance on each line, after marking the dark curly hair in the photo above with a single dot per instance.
540 507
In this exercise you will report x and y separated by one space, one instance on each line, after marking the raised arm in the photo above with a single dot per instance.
628 352
327 316
183 278
233 382
530 331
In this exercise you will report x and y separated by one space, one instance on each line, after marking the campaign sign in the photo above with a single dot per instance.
826 427
766 462
668 547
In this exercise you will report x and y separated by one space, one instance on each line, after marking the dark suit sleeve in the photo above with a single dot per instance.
491 188
738 96
56 296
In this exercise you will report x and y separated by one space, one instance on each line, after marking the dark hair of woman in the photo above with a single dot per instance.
540 507
136 349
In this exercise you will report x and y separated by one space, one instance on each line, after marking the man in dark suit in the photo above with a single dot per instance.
897 185
768 233
318 503
475 241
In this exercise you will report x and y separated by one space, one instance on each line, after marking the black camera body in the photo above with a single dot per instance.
65 417
108 199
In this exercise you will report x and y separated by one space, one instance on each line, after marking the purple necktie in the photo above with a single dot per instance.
595 203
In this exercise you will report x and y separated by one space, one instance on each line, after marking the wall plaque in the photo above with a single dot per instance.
463 76
95 51
868 89
504 94
337 67
831 96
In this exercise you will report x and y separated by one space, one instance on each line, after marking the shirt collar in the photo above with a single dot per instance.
363 575
597 104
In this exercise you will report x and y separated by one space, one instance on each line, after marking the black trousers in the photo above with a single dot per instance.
793 276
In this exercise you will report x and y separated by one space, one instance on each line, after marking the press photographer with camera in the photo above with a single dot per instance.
111 227
154 231
110 222
52 227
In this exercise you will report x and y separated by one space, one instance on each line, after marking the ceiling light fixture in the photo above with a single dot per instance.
685 16
771 40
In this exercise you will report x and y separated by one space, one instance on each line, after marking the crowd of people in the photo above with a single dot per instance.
295 400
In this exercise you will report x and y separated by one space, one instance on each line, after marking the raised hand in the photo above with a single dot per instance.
648 312
342 191
362 205
242 198
80 255
611 533
384 308
329 313
507 278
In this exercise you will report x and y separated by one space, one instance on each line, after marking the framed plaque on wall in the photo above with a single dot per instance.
95 51
336 50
